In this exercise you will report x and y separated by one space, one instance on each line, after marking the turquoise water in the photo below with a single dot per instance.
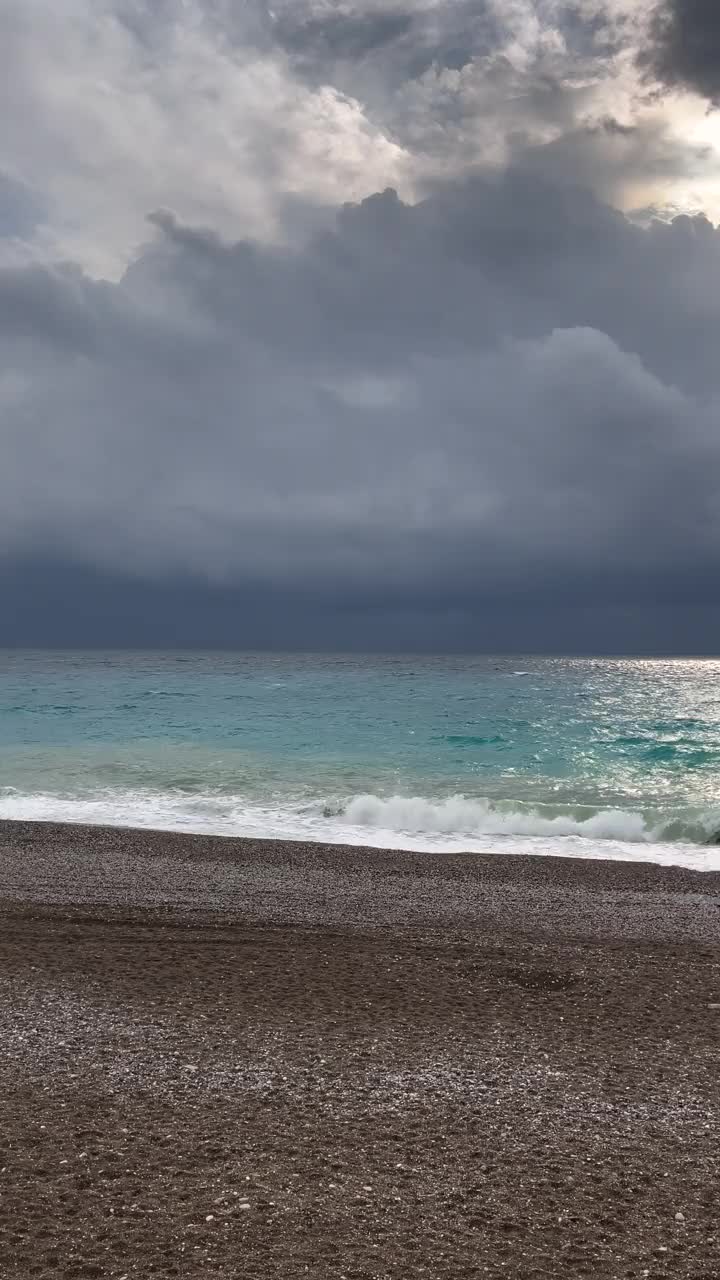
597 757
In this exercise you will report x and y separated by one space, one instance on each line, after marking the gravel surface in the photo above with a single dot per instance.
245 1059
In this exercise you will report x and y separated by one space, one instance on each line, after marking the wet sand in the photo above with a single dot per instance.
259 1059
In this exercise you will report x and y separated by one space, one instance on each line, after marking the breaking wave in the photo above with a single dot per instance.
459 815
455 823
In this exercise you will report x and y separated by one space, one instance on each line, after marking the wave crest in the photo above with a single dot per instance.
460 815
454 823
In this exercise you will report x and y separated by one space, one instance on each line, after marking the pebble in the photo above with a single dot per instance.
679 1217
210 1217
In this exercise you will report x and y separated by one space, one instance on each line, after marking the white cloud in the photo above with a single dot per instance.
254 119
107 128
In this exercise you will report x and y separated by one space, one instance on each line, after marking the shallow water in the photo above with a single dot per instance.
590 757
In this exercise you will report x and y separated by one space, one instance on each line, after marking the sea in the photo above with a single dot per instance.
584 757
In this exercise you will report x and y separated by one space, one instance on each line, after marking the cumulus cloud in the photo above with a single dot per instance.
110 108
259 120
386 336
497 387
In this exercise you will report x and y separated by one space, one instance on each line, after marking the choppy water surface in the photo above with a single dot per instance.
594 757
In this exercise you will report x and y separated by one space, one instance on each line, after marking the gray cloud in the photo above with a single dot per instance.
387 45
455 83
494 397
607 157
342 35
52 603
20 208
259 120
506 388
685 46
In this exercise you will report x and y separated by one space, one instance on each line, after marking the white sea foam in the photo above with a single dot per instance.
460 816
451 824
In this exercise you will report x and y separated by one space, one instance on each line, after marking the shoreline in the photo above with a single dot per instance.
233 1058
237 880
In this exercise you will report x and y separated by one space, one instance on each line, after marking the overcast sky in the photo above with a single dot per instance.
365 323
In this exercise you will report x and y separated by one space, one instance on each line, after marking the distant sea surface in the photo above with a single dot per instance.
614 758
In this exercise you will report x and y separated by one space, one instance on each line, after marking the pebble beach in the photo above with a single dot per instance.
261 1059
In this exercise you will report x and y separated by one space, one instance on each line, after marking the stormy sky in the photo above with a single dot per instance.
360 323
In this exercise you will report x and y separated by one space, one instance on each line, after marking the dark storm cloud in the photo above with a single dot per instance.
55 604
685 46
505 393
486 418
